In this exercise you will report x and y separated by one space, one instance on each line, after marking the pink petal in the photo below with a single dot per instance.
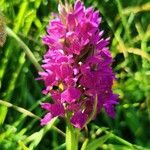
79 119
47 118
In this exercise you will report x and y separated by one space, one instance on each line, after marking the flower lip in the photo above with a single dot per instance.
70 95
47 118
79 119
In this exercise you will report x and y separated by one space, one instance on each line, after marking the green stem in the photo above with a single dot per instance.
71 137
20 109
26 49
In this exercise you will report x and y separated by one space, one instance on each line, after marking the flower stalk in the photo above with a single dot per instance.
71 137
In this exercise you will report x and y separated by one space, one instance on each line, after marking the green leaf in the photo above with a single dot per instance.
98 142
84 145
22 145
36 137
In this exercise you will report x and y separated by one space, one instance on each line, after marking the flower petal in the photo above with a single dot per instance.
79 119
47 118
70 95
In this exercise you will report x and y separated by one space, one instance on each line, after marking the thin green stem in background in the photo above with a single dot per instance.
25 48
124 21
22 110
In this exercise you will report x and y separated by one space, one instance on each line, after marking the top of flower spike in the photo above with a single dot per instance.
77 66
74 29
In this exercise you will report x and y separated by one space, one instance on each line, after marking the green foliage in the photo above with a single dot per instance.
127 22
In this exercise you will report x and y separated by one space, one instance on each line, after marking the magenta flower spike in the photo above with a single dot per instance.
77 66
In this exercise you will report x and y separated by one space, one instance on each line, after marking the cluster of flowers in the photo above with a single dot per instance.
77 71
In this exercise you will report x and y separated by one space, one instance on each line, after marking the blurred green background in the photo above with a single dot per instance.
127 22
